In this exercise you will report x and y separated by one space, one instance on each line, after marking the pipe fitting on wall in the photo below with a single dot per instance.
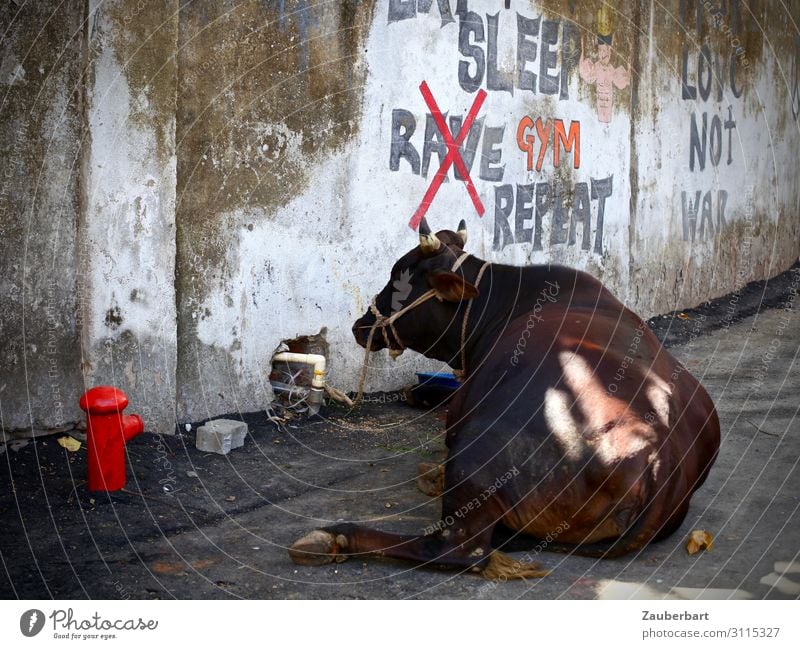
315 397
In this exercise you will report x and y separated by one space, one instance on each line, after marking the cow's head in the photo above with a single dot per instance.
433 327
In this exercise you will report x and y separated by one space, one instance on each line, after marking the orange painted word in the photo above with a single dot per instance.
560 139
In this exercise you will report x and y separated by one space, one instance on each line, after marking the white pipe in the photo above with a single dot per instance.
317 360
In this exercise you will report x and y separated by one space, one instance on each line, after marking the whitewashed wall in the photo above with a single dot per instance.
238 185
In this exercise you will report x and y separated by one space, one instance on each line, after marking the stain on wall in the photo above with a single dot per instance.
40 129
127 229
268 91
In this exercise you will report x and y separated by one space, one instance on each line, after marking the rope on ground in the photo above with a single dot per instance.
338 395
503 566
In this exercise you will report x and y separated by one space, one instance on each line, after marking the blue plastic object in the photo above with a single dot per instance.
439 379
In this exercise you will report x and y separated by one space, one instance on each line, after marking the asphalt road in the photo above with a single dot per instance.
197 525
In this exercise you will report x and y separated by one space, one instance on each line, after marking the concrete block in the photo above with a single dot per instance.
221 436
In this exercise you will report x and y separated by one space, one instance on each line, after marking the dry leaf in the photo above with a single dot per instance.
683 316
69 443
699 540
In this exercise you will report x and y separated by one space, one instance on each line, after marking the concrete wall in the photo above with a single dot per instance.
717 155
269 120
248 171
128 184
40 132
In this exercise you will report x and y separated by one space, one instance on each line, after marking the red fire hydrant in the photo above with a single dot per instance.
107 431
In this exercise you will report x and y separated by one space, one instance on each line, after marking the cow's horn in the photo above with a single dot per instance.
428 241
462 232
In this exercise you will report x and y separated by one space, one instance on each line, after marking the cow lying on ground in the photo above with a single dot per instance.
573 423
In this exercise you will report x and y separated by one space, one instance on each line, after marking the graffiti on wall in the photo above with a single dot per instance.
600 72
711 79
550 212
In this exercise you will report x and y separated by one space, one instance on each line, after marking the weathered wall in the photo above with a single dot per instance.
127 231
249 170
268 125
716 150
40 129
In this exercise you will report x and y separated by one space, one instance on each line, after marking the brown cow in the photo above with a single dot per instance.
573 423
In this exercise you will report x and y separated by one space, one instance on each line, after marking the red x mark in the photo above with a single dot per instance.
453 154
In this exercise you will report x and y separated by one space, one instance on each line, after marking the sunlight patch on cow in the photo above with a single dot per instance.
576 372
561 423
659 402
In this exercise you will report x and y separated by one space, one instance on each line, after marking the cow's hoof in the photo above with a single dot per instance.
318 548
431 479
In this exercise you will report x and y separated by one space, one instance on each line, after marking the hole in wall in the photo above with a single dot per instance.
291 382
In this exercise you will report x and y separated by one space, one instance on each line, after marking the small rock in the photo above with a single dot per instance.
188 427
388 505
231 499
191 474
221 436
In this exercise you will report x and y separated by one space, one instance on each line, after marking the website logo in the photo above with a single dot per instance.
31 622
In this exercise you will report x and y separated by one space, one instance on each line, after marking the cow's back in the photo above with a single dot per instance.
592 411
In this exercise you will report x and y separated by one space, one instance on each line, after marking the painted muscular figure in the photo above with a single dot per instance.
605 76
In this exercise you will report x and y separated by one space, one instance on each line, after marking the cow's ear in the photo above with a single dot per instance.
451 287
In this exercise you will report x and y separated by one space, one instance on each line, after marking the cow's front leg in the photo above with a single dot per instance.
347 540
460 540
